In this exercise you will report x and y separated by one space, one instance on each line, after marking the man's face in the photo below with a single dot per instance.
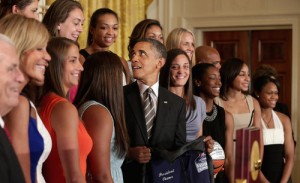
214 59
11 78
145 63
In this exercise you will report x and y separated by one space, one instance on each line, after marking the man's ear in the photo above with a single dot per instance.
15 9
161 63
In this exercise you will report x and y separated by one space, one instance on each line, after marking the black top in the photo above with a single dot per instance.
84 53
10 169
273 162
216 129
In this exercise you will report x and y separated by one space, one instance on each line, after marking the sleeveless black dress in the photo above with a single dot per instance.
216 129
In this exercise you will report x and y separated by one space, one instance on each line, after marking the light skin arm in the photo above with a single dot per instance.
229 159
257 123
288 147
99 124
17 122
64 121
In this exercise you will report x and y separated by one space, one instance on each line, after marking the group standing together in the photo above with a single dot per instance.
88 115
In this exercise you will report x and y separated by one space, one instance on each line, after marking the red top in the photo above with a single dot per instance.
52 168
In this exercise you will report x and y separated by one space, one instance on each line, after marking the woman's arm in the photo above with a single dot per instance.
288 147
257 123
99 124
17 122
64 121
229 159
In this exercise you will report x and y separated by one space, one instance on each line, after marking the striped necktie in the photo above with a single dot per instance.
149 111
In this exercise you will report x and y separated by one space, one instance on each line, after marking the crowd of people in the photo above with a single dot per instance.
88 115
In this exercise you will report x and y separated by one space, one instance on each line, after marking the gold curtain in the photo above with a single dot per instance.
130 13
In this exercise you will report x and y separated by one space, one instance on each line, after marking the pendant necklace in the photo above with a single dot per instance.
269 121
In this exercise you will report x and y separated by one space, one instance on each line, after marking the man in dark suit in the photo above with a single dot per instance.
168 130
10 81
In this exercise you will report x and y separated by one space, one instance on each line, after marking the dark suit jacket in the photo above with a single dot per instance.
169 130
10 169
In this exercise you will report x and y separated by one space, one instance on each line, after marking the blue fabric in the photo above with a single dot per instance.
167 172
36 146
191 167
197 167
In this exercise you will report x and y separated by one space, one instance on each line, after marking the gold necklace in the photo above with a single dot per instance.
269 121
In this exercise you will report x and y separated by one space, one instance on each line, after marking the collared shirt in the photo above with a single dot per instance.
1 122
154 94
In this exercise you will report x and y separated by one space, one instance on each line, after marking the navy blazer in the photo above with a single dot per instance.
168 132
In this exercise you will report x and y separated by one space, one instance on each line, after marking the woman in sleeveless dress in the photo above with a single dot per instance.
278 161
100 103
30 139
218 122
71 142
103 32
234 98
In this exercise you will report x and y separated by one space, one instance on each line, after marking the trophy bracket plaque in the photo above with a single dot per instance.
247 159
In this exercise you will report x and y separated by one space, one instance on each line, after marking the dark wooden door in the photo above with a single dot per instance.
229 43
258 47
275 48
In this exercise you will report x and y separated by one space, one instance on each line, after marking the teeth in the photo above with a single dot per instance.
109 39
41 67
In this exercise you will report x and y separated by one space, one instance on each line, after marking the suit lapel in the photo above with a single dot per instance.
161 113
137 109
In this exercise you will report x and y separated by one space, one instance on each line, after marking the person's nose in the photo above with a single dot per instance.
80 28
79 66
47 57
19 77
134 58
218 82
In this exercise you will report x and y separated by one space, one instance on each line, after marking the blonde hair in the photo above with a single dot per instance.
26 33
174 37
7 40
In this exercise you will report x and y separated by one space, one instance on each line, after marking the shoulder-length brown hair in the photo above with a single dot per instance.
57 48
165 79
57 13
140 30
7 5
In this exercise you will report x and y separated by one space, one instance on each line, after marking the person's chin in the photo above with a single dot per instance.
13 102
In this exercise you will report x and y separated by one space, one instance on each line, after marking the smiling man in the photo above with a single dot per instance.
10 80
155 117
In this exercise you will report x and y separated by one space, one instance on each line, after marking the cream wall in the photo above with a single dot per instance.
200 15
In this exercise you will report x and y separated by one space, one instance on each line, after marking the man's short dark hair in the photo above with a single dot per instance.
158 46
